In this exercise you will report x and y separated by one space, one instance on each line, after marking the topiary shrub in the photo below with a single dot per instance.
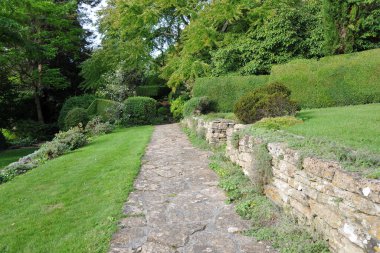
139 110
75 117
71 103
3 141
30 131
197 106
272 100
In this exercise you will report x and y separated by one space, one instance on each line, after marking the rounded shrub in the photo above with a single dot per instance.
197 106
139 110
272 100
75 117
83 101
3 141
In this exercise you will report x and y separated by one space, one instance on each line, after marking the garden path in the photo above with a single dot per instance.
177 205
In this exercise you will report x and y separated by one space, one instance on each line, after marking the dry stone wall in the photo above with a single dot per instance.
342 206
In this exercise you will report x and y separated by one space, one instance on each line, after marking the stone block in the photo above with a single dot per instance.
273 194
320 168
331 217
277 150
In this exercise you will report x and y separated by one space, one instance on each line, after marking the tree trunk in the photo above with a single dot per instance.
37 99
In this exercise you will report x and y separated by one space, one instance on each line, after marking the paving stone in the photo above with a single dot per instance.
177 206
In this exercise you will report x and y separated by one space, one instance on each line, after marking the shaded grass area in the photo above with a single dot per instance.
72 203
355 126
269 223
12 155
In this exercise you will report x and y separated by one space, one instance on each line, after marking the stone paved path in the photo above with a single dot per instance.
177 206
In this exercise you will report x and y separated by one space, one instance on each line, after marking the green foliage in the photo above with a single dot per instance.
71 103
350 26
225 91
176 107
197 106
332 81
33 131
75 117
139 110
269 101
96 127
153 91
63 142
278 122
3 141
107 110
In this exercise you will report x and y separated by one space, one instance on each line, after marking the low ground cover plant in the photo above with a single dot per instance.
272 100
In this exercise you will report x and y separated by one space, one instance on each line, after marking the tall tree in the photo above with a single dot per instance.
49 31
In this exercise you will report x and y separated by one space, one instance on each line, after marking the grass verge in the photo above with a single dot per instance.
354 126
269 222
12 155
72 203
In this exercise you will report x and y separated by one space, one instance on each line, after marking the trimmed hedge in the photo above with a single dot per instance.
75 117
139 110
224 92
154 91
71 103
108 110
332 81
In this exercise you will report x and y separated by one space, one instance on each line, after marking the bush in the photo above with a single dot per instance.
32 131
139 110
197 106
63 142
332 81
224 92
3 141
154 91
108 110
97 127
71 103
176 107
270 101
75 117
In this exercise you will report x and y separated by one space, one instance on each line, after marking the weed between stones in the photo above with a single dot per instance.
269 223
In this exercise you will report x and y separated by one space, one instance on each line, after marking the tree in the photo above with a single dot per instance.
49 30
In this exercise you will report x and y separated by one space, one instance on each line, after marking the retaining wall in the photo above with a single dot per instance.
342 206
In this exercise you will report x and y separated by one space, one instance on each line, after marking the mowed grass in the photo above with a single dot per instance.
354 126
72 203
12 155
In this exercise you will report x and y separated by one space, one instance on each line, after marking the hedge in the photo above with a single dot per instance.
332 81
139 110
154 91
223 92
73 102
106 109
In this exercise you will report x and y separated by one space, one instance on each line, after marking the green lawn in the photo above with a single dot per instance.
12 155
72 203
355 126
